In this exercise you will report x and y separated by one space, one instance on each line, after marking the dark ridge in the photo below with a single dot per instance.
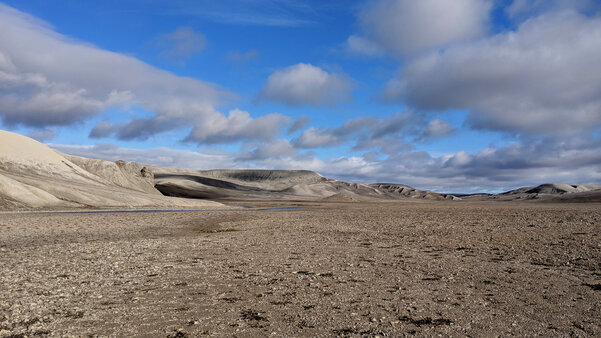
209 181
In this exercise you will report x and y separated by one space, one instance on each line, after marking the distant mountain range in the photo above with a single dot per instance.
32 175
277 184
551 192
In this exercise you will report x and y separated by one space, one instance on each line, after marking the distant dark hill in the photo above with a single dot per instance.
554 189
550 192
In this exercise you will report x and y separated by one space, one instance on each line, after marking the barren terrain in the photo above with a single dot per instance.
327 269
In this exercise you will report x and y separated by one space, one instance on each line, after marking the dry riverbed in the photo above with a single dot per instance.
346 269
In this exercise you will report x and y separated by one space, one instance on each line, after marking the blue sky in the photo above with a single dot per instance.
461 96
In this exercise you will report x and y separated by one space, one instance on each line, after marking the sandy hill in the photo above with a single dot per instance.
32 175
277 184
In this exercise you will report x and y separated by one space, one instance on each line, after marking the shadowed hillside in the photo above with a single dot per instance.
278 184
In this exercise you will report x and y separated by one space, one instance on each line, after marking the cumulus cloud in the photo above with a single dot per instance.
388 133
102 129
437 128
523 163
268 150
389 145
543 78
135 129
164 157
34 100
238 126
299 124
48 79
316 138
305 84
407 26
575 160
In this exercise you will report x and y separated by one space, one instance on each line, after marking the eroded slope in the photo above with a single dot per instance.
32 175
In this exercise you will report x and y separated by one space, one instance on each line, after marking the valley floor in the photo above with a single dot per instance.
425 268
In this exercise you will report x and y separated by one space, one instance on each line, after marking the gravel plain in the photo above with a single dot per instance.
325 269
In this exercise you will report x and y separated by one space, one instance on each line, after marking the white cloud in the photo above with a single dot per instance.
164 157
305 84
300 123
543 78
459 159
138 128
408 26
576 161
316 138
387 133
268 150
34 100
46 73
237 126
48 79
437 128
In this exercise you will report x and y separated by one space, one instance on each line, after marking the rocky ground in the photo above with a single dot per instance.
327 269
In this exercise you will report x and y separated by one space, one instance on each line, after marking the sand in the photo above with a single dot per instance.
327 269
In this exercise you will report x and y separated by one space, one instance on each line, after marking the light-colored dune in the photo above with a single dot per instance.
32 175
15 194
21 154
130 175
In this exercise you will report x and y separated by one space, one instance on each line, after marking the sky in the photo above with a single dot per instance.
452 96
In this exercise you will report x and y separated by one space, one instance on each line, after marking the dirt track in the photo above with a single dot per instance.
430 268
